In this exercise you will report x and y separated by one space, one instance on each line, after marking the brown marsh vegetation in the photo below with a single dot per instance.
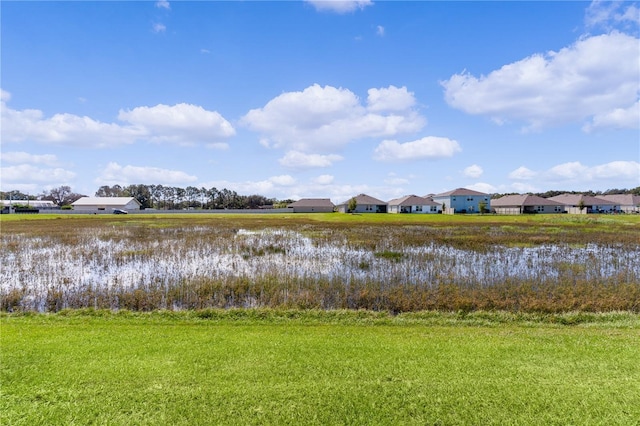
379 262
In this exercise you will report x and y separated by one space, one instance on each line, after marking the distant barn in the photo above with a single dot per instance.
106 204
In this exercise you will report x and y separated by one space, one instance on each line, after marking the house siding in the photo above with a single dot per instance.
464 203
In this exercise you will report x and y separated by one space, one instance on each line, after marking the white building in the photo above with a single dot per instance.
106 204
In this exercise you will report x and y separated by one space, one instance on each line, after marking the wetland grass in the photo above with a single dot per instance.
379 262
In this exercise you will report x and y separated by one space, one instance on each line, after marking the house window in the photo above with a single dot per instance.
418 208
434 208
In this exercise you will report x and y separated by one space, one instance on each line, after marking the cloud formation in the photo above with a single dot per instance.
321 119
608 14
299 160
16 174
429 147
114 174
339 6
181 124
473 171
163 4
574 172
25 157
594 80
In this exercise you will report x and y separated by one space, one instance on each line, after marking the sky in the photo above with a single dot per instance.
320 99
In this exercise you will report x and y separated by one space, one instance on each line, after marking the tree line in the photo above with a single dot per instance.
176 198
160 197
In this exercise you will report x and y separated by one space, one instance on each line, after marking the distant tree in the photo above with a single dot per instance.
482 205
140 192
352 205
110 191
62 195
581 204
256 201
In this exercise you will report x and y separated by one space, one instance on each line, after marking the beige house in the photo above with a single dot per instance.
364 204
627 203
583 204
413 204
521 204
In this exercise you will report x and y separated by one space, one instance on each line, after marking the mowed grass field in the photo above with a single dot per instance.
245 367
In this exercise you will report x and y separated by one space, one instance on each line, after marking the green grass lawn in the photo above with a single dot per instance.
302 368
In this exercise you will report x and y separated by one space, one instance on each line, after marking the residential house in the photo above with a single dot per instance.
364 204
413 204
312 205
462 200
583 204
106 204
627 203
520 204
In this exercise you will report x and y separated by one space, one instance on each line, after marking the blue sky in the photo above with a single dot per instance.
293 99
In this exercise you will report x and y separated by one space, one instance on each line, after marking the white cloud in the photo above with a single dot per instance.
324 118
279 186
473 171
163 4
4 96
380 30
570 170
393 179
299 160
621 118
524 188
181 123
24 157
128 175
324 180
482 187
63 129
617 169
608 14
426 148
159 28
390 99
24 173
522 173
283 180
619 173
592 78
339 6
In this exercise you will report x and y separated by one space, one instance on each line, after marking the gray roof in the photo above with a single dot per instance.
312 202
622 199
460 191
413 200
365 199
104 201
523 200
574 200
